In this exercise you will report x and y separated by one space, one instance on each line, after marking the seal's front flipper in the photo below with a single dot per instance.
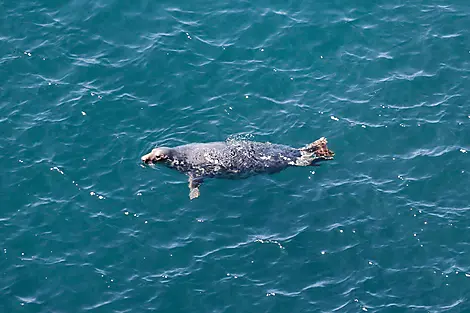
193 193
314 152
194 183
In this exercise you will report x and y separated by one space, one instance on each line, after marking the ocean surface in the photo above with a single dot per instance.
87 87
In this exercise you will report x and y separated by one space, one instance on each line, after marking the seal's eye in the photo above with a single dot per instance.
160 157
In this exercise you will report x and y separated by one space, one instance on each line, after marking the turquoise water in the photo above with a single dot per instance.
87 87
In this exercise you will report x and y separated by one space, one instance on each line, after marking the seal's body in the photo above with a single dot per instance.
235 159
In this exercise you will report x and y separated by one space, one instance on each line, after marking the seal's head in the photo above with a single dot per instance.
157 155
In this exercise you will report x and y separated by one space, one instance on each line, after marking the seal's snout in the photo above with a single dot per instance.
146 159
156 155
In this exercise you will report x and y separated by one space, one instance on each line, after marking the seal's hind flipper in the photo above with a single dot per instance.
313 152
194 184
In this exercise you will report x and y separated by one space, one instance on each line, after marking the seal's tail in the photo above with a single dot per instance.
315 151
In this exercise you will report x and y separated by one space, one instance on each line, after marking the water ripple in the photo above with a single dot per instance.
89 87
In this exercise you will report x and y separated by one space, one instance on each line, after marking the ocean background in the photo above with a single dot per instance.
87 87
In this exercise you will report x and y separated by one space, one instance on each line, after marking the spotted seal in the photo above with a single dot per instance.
235 159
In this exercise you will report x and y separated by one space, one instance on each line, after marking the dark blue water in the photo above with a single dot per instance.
87 87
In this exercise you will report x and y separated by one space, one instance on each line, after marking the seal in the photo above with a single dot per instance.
235 159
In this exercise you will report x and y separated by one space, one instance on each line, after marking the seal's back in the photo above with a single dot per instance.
236 157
